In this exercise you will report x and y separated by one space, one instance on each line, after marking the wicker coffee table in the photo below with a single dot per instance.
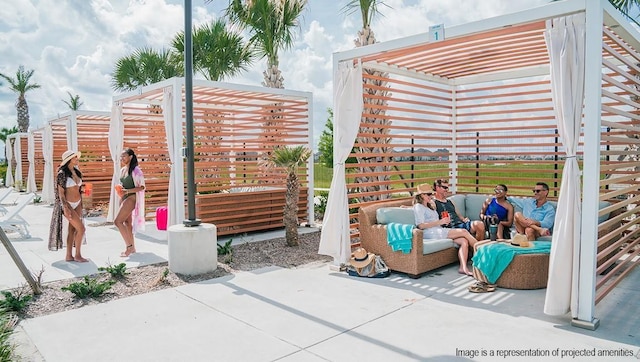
526 271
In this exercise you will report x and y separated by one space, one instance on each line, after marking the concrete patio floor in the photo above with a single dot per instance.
306 314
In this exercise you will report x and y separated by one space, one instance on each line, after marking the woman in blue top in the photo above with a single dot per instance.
427 219
499 208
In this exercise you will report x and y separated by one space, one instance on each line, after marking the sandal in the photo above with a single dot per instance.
482 287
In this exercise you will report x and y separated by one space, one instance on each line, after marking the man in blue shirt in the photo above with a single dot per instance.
537 215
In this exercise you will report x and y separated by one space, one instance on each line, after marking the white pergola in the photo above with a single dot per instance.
563 41
168 96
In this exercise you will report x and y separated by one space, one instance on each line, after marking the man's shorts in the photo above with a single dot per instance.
463 225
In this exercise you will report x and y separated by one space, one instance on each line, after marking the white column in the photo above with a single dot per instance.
591 169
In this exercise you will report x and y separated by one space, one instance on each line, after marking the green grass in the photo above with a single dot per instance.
520 178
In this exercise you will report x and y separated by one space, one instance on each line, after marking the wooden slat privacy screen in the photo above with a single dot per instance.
233 131
418 126
38 157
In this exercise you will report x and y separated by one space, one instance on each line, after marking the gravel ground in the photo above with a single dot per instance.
150 278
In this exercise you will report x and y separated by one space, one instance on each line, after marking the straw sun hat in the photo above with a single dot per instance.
521 240
360 258
68 155
424 189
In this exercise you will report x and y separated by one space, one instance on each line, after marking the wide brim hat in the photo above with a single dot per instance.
424 189
521 241
68 155
361 258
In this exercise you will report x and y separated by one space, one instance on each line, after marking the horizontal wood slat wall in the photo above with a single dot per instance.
38 157
96 164
619 237
233 132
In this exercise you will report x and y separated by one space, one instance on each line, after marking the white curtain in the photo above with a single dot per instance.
171 104
565 39
31 155
48 195
17 153
335 240
8 151
116 135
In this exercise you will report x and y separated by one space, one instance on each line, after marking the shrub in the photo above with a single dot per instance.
6 329
227 250
320 204
90 287
15 302
116 271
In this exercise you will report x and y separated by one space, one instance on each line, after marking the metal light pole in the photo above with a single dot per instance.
188 98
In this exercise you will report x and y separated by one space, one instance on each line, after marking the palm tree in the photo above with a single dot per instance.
270 24
74 103
291 159
218 53
20 84
145 66
374 106
5 133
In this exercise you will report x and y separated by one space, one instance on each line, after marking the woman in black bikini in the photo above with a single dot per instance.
68 203
130 217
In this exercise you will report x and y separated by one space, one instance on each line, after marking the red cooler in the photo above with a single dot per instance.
161 218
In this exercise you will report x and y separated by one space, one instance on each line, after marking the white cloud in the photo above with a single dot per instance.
73 45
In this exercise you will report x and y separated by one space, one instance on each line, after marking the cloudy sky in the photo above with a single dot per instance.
73 44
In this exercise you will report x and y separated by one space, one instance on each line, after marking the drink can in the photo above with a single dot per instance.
444 214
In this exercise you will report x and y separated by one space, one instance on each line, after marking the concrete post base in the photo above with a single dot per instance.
193 250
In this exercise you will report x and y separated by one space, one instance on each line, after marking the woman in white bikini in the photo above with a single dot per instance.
130 217
68 203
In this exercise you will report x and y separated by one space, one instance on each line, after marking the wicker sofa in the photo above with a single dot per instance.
373 237
423 256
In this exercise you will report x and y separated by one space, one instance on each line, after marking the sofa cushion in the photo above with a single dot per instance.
603 217
430 246
458 200
400 215
473 203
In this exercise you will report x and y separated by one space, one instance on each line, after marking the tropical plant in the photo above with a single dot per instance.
218 52
271 26
116 271
291 159
15 302
74 103
6 132
325 145
374 126
144 67
89 287
7 349
20 85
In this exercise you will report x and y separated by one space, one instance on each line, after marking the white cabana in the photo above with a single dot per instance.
15 148
233 125
8 152
583 37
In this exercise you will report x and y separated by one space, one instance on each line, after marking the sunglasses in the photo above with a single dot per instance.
535 191
444 187
498 190
428 193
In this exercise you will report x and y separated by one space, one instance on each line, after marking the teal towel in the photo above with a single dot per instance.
399 236
492 260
